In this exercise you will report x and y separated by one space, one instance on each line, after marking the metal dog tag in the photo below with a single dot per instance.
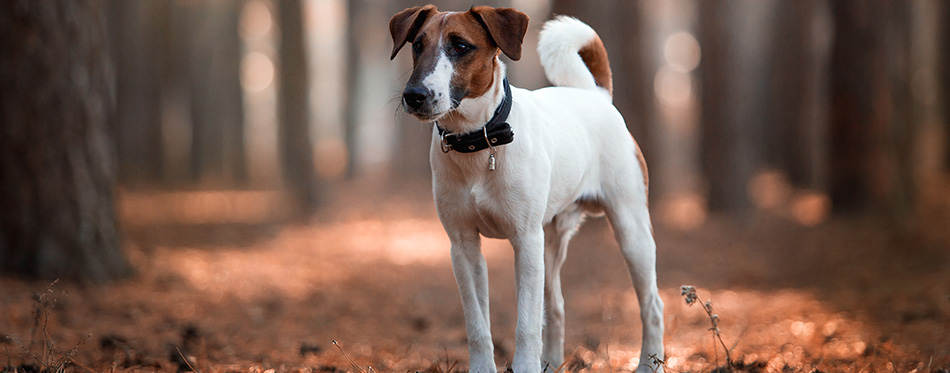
491 150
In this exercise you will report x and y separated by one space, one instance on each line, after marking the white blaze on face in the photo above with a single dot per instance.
439 83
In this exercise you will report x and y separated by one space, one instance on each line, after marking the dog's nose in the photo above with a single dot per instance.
414 97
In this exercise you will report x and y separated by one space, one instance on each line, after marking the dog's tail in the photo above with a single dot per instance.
573 55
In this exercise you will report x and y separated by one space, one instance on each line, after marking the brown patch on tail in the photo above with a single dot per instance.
595 57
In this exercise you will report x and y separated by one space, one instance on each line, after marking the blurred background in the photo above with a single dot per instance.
136 126
248 110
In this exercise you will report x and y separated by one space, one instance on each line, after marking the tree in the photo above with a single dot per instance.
138 87
945 74
797 117
732 72
356 34
871 127
57 150
635 101
216 96
293 111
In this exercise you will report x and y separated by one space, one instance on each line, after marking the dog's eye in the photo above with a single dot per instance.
460 48
417 47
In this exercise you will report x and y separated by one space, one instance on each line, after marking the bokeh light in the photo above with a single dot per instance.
672 87
330 158
683 211
769 190
681 51
811 208
257 72
256 21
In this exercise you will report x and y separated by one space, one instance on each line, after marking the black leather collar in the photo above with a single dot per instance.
494 133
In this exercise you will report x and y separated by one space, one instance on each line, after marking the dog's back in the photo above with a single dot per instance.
572 55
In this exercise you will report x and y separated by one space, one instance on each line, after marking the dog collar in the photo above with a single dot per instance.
494 133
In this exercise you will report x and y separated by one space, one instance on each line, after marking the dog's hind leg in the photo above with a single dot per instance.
631 223
557 234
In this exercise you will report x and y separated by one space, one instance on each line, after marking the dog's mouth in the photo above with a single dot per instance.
426 114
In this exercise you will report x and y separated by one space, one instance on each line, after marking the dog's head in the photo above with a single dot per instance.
454 54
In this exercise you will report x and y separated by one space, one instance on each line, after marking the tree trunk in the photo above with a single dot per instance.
355 35
796 97
57 149
944 72
230 95
217 101
293 112
732 97
635 100
870 123
138 118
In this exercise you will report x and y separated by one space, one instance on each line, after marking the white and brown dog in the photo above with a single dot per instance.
526 166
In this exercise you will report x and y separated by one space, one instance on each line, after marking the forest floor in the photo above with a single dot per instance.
374 275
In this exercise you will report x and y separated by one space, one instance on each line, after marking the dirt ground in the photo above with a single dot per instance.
373 274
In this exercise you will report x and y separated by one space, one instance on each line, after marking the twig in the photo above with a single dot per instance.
29 352
185 359
348 359
655 363
560 368
401 358
88 369
689 292
68 355
445 351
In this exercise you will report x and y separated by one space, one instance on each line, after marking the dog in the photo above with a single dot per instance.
526 166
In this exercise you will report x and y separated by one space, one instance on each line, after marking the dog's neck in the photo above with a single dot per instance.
473 113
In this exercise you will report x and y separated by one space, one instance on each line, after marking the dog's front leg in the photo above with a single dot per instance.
471 274
529 280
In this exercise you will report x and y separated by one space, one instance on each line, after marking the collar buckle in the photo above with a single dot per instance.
446 147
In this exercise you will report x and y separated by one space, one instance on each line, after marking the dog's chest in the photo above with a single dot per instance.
490 212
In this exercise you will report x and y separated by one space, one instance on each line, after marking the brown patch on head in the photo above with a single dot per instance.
506 27
405 24
595 57
475 69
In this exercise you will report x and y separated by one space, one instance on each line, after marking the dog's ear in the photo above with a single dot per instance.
506 27
405 24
